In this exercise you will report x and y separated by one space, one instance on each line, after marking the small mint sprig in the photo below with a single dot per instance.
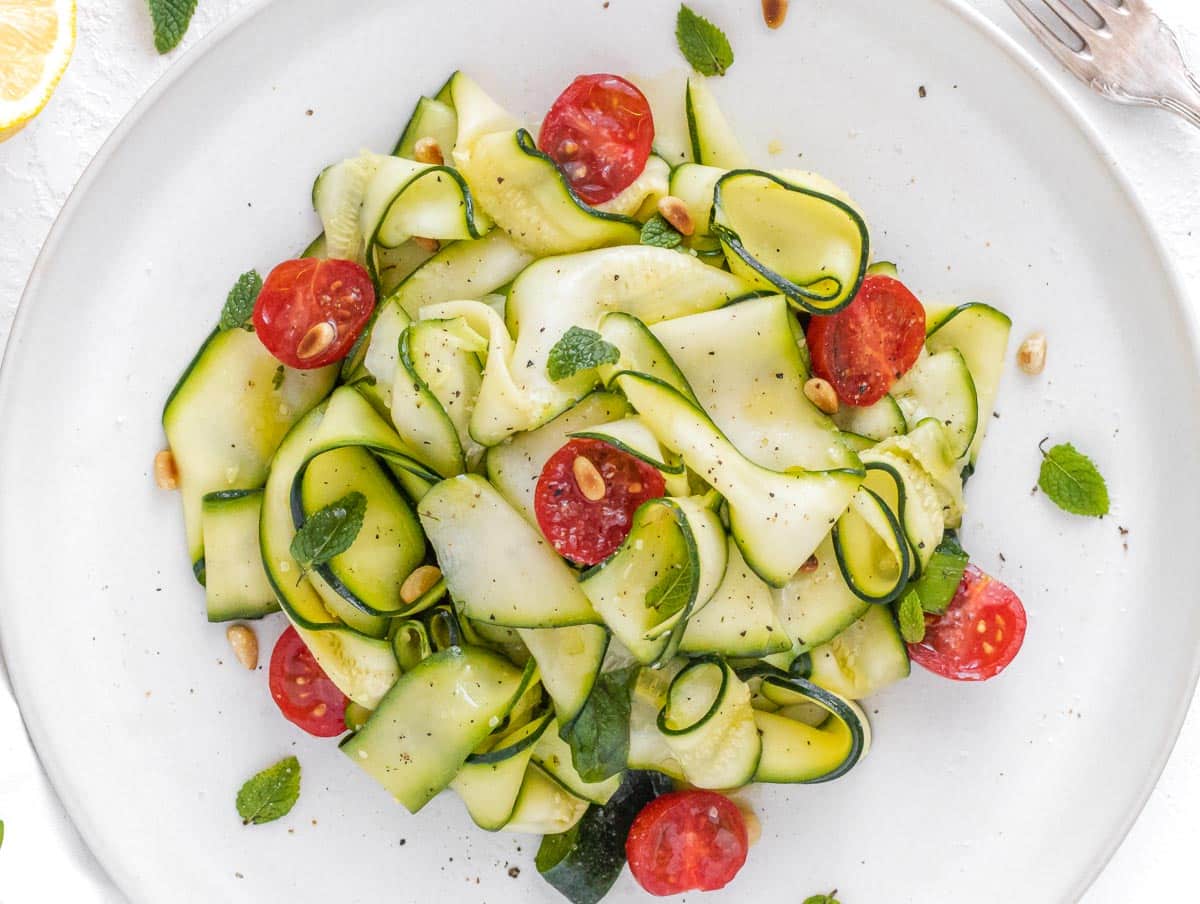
1072 481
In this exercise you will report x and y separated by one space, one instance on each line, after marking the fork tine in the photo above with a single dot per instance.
1042 32
1072 19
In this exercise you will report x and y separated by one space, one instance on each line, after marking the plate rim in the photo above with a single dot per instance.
1077 118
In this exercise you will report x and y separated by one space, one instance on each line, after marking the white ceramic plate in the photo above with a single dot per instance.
988 188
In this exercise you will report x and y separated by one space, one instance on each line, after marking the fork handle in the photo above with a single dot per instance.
1185 102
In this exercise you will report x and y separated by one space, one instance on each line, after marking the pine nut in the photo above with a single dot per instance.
166 473
822 394
811 564
245 645
430 245
317 340
753 825
427 150
418 583
774 12
591 484
1031 356
675 211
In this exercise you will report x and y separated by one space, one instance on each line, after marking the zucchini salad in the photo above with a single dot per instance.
598 474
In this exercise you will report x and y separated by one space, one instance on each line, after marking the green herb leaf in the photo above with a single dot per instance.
702 44
270 794
661 234
577 350
239 304
822 899
940 579
673 591
171 19
1 833
1072 482
329 532
911 617
599 735
277 380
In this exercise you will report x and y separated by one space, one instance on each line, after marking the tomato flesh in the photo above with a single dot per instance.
687 841
978 635
599 131
302 690
584 530
863 349
310 312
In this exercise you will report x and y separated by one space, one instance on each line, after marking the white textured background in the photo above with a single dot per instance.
115 63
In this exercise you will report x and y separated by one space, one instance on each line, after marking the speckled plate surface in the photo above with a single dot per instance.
987 188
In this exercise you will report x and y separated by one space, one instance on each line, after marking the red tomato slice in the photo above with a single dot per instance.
978 635
599 132
302 691
310 312
586 530
687 841
868 345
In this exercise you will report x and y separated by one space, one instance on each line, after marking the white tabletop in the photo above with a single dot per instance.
42 857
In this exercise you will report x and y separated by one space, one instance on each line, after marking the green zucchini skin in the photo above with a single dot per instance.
583 864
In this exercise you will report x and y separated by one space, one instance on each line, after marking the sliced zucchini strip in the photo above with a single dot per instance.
462 270
431 118
862 660
489 785
796 752
569 660
498 567
666 570
709 726
876 422
632 436
544 805
713 141
426 726
410 643
739 619
940 386
980 334
553 754
777 518
870 544
790 233
816 604
236 584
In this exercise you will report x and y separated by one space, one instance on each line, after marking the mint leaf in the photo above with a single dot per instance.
822 899
661 234
577 350
673 591
702 44
939 581
239 303
329 532
270 794
1072 482
599 735
911 617
171 19
277 380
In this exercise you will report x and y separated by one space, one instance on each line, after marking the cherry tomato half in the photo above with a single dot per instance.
979 633
310 311
302 690
599 132
868 345
588 530
687 841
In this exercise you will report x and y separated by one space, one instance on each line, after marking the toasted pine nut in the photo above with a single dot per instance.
753 825
166 473
430 245
1031 356
675 211
811 564
591 484
822 394
774 12
427 150
317 340
418 582
245 645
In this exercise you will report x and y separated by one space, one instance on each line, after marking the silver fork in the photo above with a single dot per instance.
1132 58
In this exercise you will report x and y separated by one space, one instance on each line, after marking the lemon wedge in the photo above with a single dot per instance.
36 40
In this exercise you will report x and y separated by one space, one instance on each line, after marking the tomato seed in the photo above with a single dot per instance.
988 648
981 626
317 340
569 148
319 710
